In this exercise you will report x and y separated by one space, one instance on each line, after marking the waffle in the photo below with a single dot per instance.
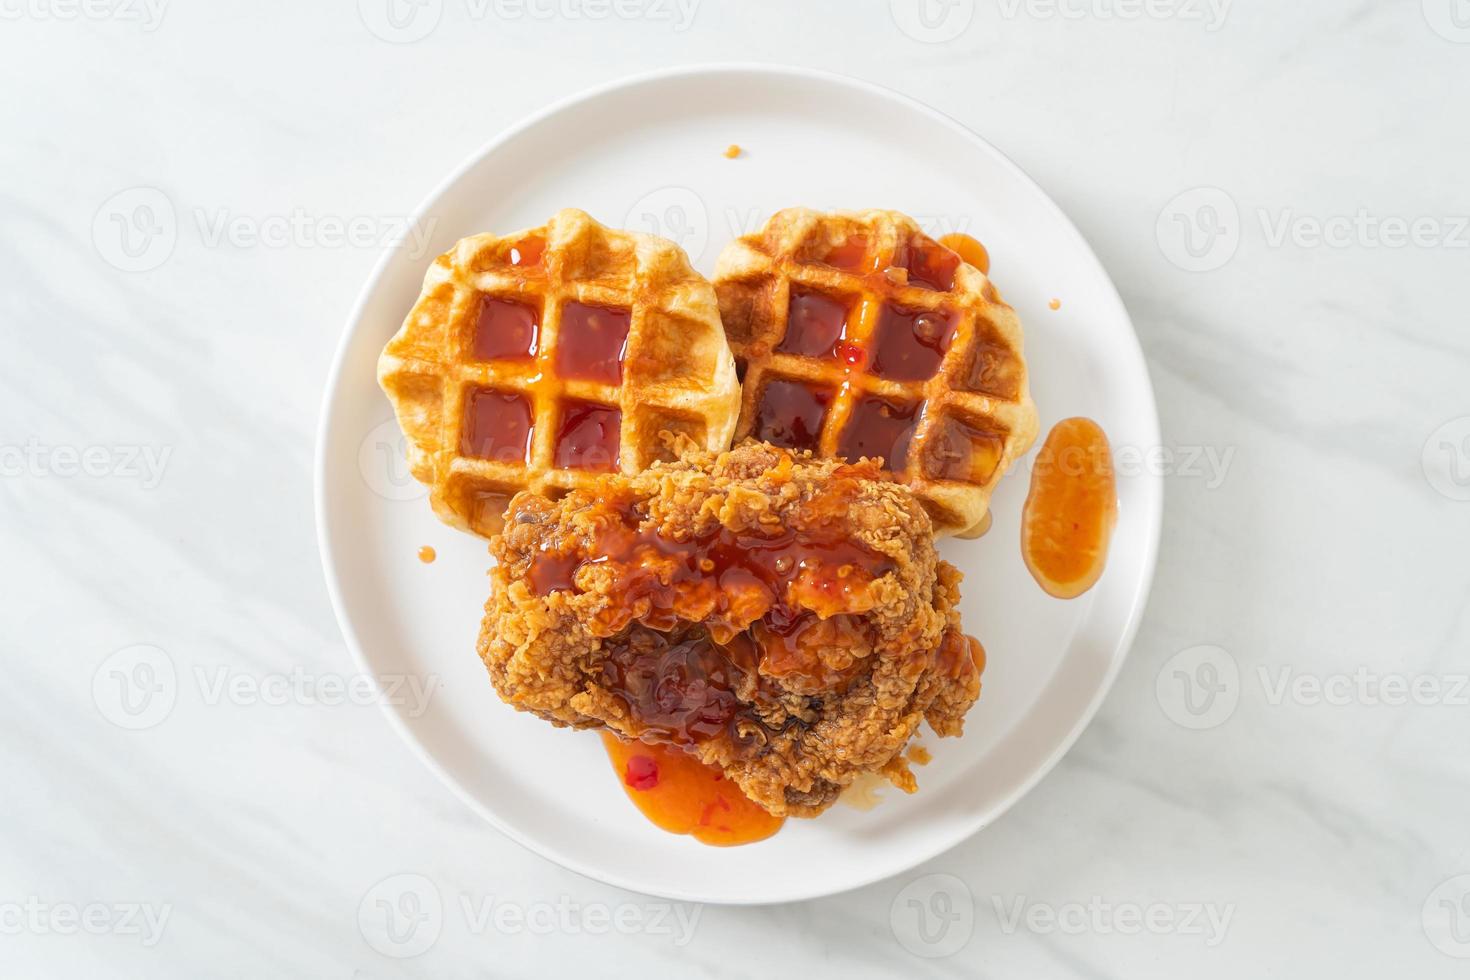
542 359
857 335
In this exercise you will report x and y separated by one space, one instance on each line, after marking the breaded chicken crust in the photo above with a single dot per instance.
782 618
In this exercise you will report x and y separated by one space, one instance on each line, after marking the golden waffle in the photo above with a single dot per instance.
857 335
541 359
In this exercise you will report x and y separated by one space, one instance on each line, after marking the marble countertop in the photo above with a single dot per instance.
194 194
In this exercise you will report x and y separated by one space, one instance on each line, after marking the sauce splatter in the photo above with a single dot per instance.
969 249
682 795
1071 509
427 554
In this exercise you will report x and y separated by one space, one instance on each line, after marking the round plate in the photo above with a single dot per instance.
648 154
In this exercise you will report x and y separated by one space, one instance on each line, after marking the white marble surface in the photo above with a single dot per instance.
157 426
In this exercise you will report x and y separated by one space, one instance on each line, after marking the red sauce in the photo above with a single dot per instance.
497 425
724 578
928 264
814 325
790 414
588 438
850 256
879 427
911 343
592 342
850 354
682 795
1068 519
680 685
527 252
505 331
968 249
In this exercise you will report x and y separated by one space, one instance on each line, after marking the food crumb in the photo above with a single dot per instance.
919 755
427 554
732 151
1056 304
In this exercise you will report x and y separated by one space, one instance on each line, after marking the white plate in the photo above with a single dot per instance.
647 153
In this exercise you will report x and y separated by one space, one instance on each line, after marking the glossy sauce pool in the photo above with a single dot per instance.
682 795
1069 515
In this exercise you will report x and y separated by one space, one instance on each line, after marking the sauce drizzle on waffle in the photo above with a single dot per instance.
857 334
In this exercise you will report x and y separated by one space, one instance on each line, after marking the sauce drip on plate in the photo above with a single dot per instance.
1070 512
682 795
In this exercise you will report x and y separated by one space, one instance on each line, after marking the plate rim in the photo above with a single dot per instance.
1153 518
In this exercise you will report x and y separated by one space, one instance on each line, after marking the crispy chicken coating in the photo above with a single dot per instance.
784 619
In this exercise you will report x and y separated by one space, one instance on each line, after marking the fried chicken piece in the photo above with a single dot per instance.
782 618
